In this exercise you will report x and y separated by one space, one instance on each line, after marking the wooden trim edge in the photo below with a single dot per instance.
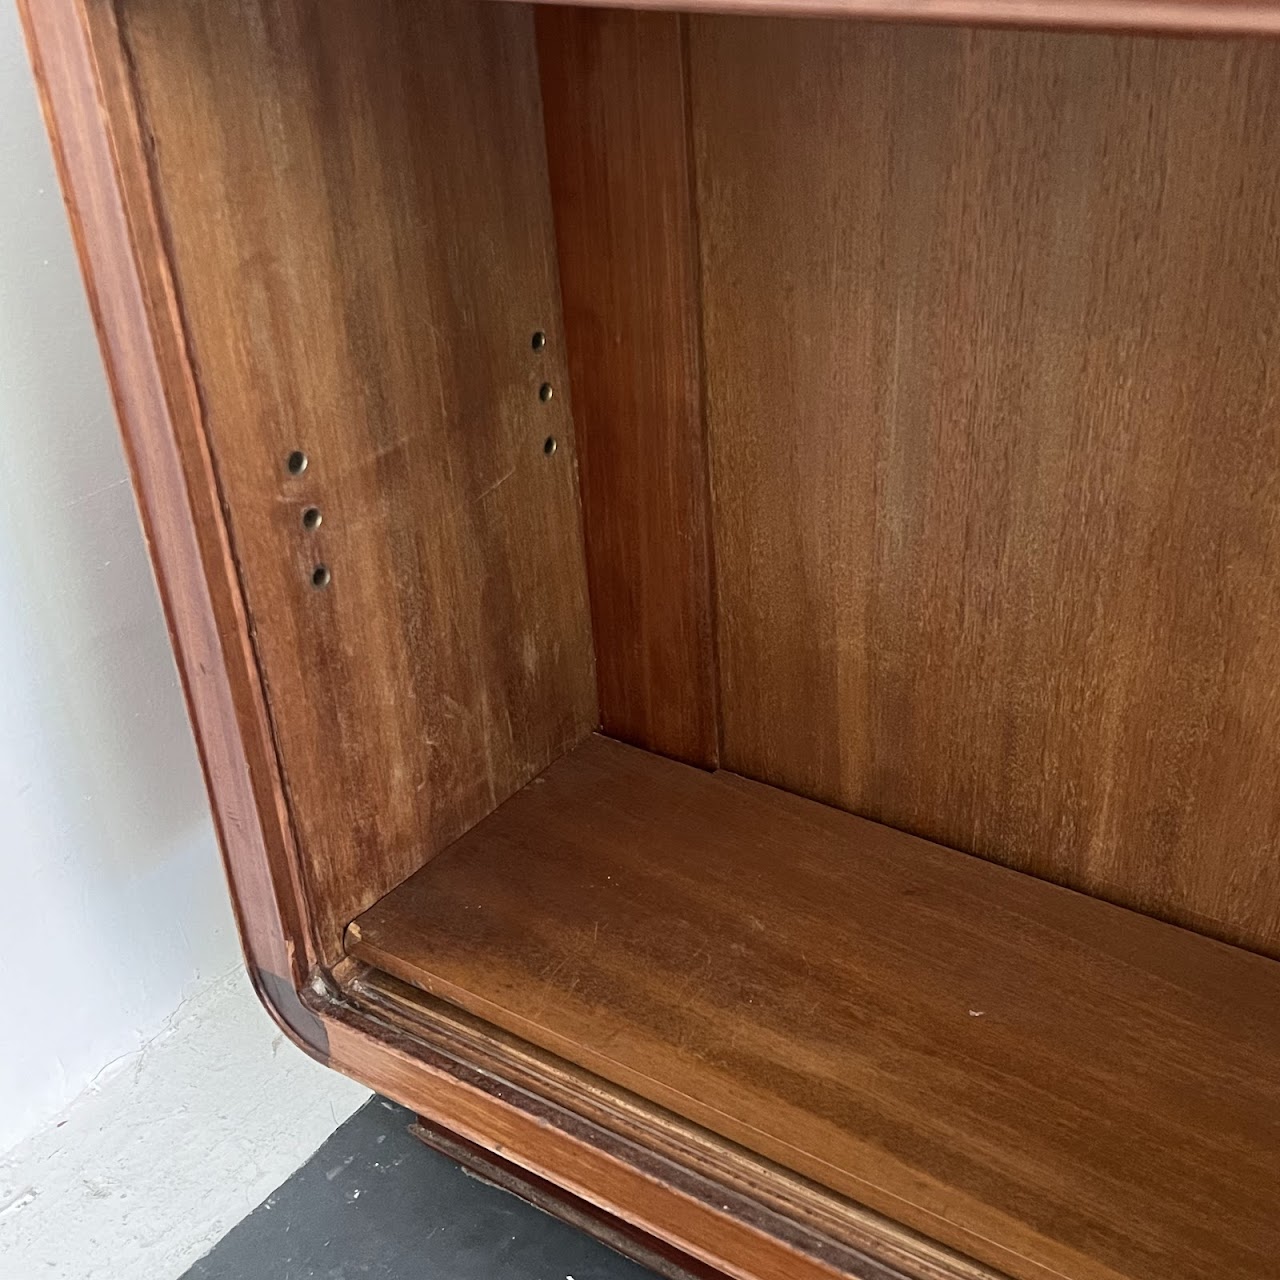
818 1233
280 998
1173 17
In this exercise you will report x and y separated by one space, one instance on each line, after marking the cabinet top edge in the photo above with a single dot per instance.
1139 17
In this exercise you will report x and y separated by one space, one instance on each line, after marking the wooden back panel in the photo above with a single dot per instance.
990 326
360 228
984 326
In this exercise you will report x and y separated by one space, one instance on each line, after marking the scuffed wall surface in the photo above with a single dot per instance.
153 1165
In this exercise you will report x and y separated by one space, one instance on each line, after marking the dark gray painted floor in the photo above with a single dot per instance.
375 1204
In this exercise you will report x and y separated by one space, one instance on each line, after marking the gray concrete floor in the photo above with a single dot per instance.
375 1204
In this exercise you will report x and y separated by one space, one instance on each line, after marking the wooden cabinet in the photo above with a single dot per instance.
726 570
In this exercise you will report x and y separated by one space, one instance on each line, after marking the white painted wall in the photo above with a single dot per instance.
114 905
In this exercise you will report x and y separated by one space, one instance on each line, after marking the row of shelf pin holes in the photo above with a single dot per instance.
297 462
545 392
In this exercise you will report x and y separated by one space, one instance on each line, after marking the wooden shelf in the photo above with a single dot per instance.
981 1055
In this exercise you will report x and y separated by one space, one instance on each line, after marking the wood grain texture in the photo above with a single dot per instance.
617 144
1051 1084
990 321
360 275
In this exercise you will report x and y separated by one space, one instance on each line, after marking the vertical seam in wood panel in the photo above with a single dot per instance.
536 19
541 17
159 213
699 373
